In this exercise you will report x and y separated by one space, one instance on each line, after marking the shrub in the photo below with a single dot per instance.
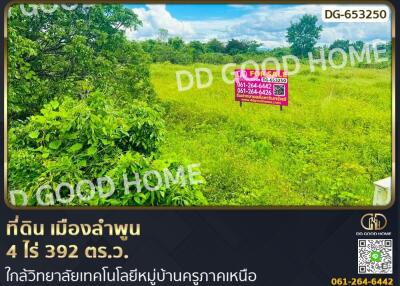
87 139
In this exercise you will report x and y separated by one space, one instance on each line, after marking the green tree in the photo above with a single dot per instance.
234 47
197 49
358 45
176 43
50 53
252 46
389 49
215 46
149 45
340 44
303 35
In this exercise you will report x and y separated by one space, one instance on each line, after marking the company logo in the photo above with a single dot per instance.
373 221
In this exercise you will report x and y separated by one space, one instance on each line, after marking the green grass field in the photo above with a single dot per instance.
326 148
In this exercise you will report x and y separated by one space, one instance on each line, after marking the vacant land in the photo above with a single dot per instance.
326 148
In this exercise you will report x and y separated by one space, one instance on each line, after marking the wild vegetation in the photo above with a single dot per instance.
81 106
326 148
85 102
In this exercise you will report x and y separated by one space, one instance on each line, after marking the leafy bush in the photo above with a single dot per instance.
81 105
85 44
89 139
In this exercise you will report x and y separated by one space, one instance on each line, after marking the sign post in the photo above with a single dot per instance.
261 86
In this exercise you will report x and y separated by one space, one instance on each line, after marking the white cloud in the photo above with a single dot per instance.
156 17
367 32
264 23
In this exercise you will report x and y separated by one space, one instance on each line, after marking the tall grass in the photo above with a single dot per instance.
326 148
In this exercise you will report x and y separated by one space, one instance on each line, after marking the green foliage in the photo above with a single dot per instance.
303 35
174 195
346 44
214 46
176 51
384 50
176 43
197 48
81 107
50 53
90 139
234 47
340 44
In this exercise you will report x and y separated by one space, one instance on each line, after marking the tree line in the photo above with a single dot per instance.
302 37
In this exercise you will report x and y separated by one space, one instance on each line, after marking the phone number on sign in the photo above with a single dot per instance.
254 91
253 85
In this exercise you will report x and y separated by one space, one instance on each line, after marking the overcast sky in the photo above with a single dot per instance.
266 24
